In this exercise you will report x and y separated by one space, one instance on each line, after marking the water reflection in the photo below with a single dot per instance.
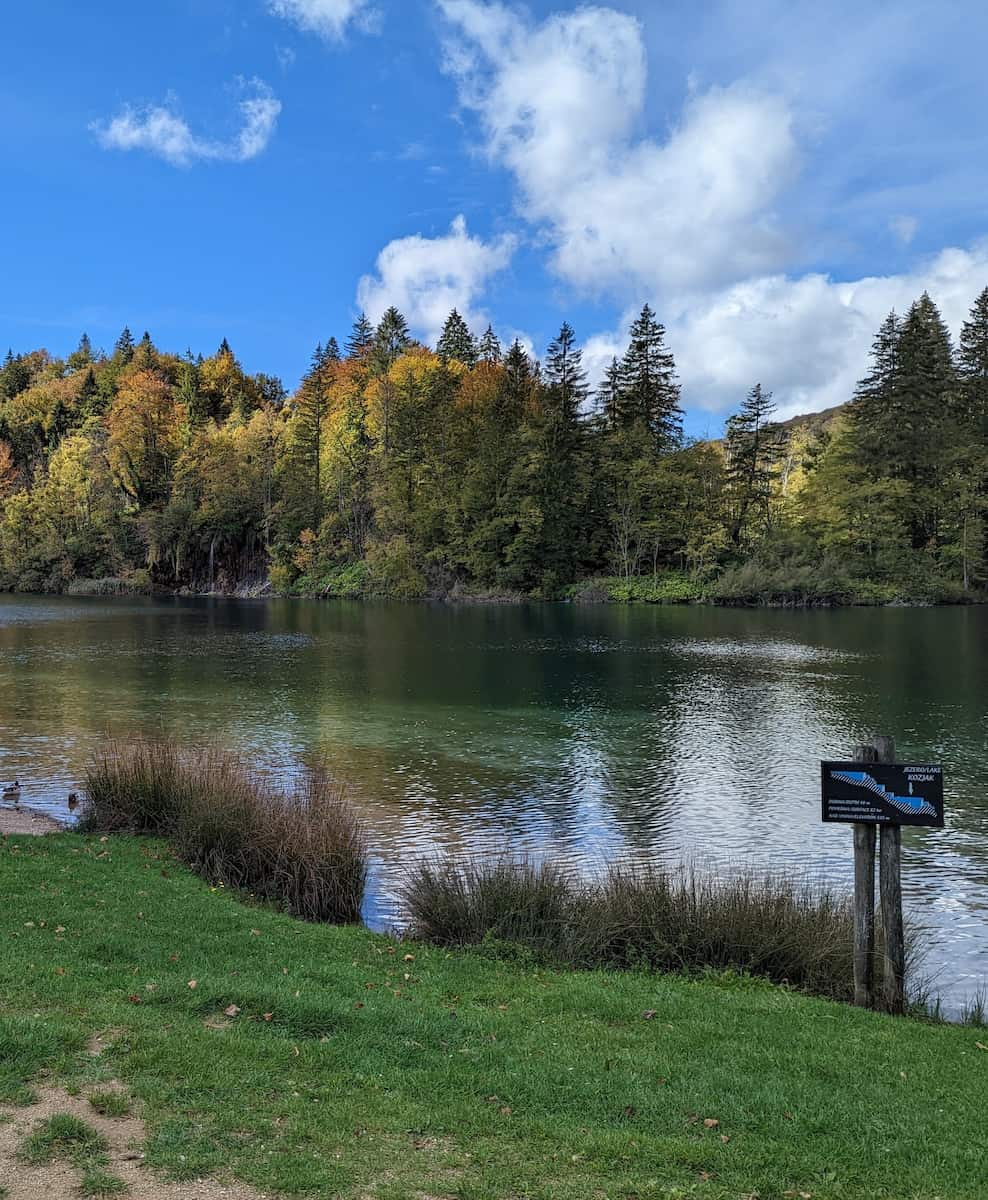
589 733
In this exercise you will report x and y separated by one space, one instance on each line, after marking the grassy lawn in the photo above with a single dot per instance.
310 1059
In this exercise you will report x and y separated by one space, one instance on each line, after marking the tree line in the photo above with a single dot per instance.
402 470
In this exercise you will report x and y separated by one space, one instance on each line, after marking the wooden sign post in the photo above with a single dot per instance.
868 791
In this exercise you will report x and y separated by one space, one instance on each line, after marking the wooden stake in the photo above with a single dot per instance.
864 899
890 890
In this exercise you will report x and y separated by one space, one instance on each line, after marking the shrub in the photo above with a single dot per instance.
303 849
787 931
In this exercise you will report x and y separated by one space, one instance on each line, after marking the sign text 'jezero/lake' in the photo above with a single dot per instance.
883 793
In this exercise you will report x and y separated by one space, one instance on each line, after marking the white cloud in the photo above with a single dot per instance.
807 339
162 131
326 18
560 104
427 277
904 228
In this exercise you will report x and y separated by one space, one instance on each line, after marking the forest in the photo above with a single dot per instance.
472 470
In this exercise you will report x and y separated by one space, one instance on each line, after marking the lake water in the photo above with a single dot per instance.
591 733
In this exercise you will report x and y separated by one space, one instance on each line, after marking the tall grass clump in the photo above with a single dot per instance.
788 931
303 849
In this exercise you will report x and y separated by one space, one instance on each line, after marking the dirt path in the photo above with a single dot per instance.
125 1137
24 820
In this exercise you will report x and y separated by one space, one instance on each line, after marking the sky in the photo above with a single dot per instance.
772 176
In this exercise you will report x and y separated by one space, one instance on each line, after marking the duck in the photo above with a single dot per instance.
73 801
12 791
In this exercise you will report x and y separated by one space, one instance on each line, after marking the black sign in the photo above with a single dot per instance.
883 793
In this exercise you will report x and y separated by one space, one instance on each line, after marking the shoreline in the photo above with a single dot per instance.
597 598
29 821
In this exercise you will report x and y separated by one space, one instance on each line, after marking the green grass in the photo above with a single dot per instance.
63 1136
110 1103
97 1183
316 1060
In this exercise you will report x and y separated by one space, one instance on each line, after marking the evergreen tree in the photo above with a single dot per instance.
89 402
361 337
561 486
224 350
391 338
82 356
191 394
123 351
312 403
649 391
456 341
609 396
489 348
565 378
332 351
751 460
15 376
972 363
145 355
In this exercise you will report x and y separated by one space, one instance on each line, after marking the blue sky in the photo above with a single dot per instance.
772 177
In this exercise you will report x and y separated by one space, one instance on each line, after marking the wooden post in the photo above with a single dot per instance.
890 890
864 899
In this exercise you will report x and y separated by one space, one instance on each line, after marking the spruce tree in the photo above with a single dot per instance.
82 355
456 341
332 351
489 347
145 354
123 351
751 461
649 391
391 338
14 377
609 396
190 394
565 378
361 337
972 364
312 404
89 402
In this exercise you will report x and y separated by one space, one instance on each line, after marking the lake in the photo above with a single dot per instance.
590 733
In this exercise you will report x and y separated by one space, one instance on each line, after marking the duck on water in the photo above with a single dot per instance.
12 792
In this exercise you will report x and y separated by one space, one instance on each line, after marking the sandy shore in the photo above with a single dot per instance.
24 820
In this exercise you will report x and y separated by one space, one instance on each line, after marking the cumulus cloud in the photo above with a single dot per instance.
427 277
807 339
327 19
559 104
162 131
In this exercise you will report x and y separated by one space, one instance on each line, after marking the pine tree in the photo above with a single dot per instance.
312 404
190 394
565 378
609 396
972 364
123 351
332 351
562 484
456 341
224 350
489 348
751 460
391 338
361 337
649 391
82 356
89 402
145 355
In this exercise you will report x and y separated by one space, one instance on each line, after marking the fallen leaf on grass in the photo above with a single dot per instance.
232 1011
268 1016
409 958
134 998
649 1015
193 984
981 1046
710 1122
505 1111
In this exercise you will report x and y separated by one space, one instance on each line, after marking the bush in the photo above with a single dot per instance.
393 570
783 930
303 850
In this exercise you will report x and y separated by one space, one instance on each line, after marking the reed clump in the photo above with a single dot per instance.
789 931
302 849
